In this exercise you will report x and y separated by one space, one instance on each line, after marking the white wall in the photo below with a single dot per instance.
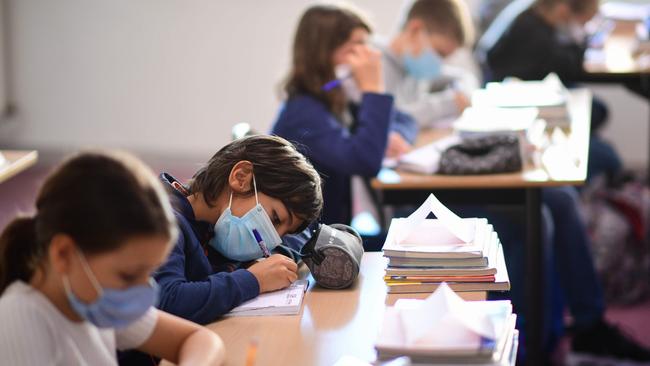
627 129
164 77
153 76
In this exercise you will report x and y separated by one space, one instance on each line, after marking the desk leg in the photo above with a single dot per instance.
534 278
645 88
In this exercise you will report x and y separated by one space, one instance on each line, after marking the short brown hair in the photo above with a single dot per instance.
576 6
449 17
280 171
321 30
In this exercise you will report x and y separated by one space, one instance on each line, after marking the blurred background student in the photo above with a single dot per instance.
547 37
337 109
414 61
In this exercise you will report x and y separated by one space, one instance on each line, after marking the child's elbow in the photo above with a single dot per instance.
217 347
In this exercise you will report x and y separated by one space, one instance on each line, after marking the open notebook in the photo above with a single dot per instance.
282 302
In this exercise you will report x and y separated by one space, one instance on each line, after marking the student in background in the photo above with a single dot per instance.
549 37
258 182
565 233
414 61
347 126
75 278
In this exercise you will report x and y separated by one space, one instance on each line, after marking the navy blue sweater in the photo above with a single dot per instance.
195 282
338 152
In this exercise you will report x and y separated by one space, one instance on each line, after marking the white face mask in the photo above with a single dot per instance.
348 84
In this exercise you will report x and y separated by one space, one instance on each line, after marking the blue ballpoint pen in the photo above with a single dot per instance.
260 242
335 83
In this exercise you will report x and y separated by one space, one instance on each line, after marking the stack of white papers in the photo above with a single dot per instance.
549 96
495 120
423 253
446 329
625 11
282 302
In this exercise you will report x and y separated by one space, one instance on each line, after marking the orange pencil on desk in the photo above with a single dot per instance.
251 354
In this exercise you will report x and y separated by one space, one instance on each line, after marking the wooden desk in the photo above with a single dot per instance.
16 162
521 189
579 106
619 57
620 63
333 323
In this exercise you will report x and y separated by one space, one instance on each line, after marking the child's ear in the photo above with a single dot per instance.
562 12
61 250
241 177
413 28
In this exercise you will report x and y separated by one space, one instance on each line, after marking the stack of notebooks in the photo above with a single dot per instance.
422 253
549 96
444 329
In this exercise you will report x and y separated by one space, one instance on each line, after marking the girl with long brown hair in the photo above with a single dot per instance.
336 108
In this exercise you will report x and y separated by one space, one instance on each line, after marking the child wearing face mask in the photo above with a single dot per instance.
337 108
75 278
415 71
258 184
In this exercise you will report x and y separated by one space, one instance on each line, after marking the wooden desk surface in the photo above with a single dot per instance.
16 162
580 112
619 56
333 323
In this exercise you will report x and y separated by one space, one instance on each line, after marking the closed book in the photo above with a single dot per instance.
444 271
396 262
396 280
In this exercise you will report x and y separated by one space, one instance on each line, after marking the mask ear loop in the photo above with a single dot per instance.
257 201
90 274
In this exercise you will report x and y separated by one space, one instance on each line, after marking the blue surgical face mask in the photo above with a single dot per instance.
234 238
112 308
425 66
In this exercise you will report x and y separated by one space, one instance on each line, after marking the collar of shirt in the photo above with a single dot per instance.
202 229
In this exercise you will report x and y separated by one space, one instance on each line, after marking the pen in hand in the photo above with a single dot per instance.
260 242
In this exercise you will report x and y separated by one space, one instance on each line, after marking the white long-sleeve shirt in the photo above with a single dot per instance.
34 332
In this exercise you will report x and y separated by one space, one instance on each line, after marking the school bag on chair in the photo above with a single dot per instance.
617 220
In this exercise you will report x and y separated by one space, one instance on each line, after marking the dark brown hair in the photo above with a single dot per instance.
448 17
280 171
576 6
321 30
100 200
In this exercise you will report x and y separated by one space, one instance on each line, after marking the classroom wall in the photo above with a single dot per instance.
154 76
170 77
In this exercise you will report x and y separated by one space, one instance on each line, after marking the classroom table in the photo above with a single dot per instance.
620 62
15 161
332 323
520 189
618 58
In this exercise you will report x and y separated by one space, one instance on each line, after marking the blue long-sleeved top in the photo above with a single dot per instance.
338 152
195 281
